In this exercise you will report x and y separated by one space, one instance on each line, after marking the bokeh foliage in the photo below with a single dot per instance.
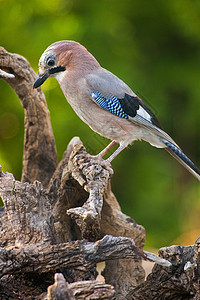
154 46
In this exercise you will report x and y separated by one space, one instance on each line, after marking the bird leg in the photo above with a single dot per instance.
104 151
109 159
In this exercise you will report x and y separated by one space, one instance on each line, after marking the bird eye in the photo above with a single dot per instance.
50 61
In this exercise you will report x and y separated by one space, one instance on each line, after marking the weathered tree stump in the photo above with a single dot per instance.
62 219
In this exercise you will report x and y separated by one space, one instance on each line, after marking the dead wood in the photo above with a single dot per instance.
79 290
181 281
40 158
27 217
64 219
81 255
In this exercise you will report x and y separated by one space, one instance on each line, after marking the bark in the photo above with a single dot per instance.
79 290
180 281
60 220
79 254
40 158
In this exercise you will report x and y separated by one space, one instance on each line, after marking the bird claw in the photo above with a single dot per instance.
97 159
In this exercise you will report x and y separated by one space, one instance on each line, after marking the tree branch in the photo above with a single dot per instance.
40 158
81 255
181 281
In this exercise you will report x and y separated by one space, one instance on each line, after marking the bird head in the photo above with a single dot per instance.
62 57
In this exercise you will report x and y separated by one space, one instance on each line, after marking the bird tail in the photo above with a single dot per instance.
182 158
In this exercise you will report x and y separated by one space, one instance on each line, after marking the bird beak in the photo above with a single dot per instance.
41 79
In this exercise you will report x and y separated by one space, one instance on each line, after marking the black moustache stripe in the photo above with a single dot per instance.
56 70
41 79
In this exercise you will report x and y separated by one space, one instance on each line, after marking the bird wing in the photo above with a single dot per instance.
112 94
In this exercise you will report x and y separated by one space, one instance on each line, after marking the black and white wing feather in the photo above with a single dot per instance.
131 108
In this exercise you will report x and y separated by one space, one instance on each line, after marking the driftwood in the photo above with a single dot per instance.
60 220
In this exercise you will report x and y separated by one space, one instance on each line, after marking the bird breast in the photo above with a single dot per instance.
97 118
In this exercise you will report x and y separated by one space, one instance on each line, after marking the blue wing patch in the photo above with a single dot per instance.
128 106
110 103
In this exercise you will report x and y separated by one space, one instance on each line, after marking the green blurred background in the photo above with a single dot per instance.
154 46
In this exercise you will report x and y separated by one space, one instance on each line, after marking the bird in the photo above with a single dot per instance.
104 102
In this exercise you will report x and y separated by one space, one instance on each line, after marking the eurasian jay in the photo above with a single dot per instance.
105 102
